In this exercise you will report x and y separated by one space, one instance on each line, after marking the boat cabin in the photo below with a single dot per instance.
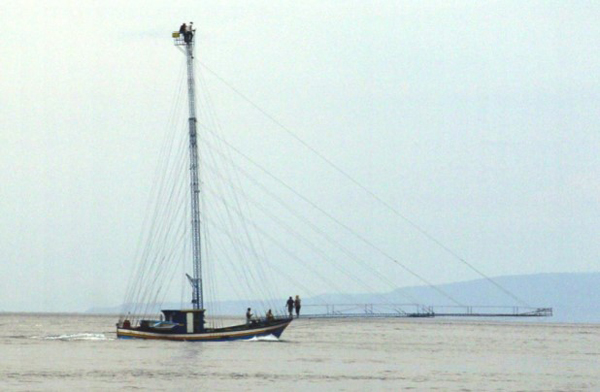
175 321
188 320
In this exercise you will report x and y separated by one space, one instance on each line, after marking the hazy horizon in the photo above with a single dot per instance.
477 121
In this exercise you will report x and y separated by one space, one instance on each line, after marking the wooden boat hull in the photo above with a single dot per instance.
216 335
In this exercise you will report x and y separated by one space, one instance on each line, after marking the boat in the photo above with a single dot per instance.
190 324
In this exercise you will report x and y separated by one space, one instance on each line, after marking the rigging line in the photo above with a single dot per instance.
157 243
159 232
182 285
346 227
174 268
367 190
213 118
232 222
270 297
227 258
218 243
245 236
239 247
271 265
309 244
241 255
168 253
221 183
187 250
143 253
210 262
174 263
285 249
176 103
211 291
228 221
234 247
322 233
168 262
170 242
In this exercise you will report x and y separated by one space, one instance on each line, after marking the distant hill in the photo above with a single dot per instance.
575 297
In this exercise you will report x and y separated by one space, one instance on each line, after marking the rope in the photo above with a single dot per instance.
365 189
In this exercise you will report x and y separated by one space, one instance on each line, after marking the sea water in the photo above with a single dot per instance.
76 352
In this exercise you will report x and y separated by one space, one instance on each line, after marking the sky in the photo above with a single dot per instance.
478 121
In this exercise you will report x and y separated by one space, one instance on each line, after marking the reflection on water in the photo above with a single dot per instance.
52 352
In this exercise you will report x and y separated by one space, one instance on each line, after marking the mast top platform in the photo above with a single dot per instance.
185 35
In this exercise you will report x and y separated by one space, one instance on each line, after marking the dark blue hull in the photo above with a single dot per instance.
240 332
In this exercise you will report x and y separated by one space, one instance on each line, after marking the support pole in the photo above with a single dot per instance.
196 280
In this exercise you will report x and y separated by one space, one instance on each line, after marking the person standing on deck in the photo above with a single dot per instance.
248 316
290 306
297 305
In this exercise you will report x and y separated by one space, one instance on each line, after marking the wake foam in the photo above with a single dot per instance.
74 337
268 338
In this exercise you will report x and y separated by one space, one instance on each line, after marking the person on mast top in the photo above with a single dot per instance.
189 32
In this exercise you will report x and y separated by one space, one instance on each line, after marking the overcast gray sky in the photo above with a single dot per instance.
477 120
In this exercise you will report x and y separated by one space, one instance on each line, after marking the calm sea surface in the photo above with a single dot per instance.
75 352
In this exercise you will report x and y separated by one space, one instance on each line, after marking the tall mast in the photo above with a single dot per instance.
187 40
